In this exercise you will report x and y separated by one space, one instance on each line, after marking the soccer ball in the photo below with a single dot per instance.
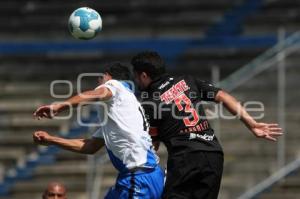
85 23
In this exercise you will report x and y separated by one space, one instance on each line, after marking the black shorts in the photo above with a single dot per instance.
194 175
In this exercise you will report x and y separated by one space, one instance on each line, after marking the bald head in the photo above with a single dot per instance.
55 190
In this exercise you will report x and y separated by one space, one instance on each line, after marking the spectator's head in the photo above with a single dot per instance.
55 190
115 70
147 66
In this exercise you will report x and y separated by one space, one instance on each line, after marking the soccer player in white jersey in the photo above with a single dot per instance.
125 135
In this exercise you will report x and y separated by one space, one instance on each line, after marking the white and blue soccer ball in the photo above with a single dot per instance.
85 23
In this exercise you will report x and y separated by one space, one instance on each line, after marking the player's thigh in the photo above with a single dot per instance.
176 194
200 174
120 192
207 184
177 187
143 186
207 188
112 193
152 183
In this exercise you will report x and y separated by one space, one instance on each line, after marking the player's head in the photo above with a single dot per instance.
147 66
55 190
115 70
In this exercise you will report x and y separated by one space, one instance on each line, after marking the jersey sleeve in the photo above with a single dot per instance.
111 85
98 134
208 91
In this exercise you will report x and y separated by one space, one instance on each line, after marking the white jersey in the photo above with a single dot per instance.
126 131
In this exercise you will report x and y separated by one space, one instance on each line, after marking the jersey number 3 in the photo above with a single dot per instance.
188 109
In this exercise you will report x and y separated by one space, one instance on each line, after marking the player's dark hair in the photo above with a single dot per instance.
118 71
149 62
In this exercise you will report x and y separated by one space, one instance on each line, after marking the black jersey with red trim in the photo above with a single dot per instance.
174 108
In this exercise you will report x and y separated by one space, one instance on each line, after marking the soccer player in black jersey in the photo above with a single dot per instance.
177 118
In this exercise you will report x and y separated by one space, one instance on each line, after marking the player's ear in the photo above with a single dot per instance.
144 75
108 76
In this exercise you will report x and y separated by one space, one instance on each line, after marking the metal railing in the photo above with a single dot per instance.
265 184
97 165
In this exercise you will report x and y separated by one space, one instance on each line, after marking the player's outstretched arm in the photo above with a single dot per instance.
260 130
49 111
85 146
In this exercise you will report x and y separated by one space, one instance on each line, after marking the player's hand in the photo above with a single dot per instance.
41 137
47 111
267 131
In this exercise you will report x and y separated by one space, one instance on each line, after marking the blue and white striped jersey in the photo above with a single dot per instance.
125 131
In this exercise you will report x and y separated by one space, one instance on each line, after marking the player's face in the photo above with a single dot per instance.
140 80
55 193
104 78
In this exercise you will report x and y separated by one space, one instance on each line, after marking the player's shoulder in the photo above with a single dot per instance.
196 80
168 81
113 82
112 85
187 79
